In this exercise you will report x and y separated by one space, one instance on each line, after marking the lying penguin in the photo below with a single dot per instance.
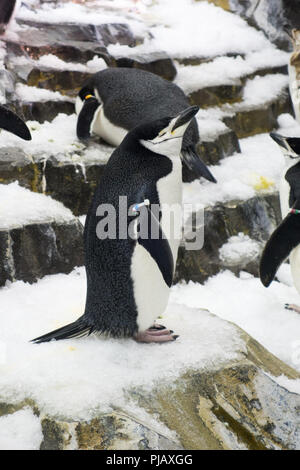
116 100
129 278
10 122
7 9
285 240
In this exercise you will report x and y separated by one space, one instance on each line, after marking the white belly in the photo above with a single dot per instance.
295 267
284 193
294 90
170 196
151 292
101 126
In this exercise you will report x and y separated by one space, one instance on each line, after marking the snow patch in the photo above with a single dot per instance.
19 206
239 248
21 430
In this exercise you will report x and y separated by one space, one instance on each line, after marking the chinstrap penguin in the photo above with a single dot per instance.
116 100
285 240
7 9
129 279
10 122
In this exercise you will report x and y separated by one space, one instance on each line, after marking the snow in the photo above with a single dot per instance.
88 13
227 70
19 206
239 248
58 138
78 378
195 29
30 94
259 311
265 89
20 431
257 170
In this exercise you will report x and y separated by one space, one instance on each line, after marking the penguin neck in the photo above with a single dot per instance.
169 148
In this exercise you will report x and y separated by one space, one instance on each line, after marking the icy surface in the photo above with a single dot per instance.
57 138
20 431
74 378
227 70
246 302
195 29
30 94
257 170
19 206
239 248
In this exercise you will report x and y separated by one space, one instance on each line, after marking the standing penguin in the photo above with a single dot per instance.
129 278
7 8
285 240
10 122
116 100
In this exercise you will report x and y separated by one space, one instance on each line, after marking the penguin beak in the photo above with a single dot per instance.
279 139
189 155
10 122
185 117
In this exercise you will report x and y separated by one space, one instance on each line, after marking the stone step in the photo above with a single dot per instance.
256 217
47 241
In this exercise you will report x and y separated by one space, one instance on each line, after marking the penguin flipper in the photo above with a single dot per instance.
282 241
76 329
157 245
9 121
85 117
195 164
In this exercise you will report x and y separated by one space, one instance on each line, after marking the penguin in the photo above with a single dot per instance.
129 277
115 100
285 240
7 9
10 122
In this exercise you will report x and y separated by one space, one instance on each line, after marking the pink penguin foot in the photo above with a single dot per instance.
154 335
293 307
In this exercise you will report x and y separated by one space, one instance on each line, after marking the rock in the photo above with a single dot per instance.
271 16
256 217
249 121
70 42
16 165
35 250
223 145
216 95
235 404
42 111
67 82
157 63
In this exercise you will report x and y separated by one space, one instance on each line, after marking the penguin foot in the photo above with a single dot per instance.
155 336
293 307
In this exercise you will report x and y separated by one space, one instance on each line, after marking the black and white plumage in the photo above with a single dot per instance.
129 279
7 8
285 240
128 97
10 122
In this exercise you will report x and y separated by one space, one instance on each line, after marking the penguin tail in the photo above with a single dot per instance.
76 329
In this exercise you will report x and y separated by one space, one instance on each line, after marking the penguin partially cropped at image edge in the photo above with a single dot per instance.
285 240
129 278
116 100
7 10
10 122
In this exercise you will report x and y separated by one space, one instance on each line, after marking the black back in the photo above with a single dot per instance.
149 97
132 171
6 10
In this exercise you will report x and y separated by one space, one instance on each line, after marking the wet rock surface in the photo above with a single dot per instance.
32 251
256 217
236 405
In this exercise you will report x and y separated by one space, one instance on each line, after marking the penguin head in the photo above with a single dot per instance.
290 146
164 136
86 106
10 122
